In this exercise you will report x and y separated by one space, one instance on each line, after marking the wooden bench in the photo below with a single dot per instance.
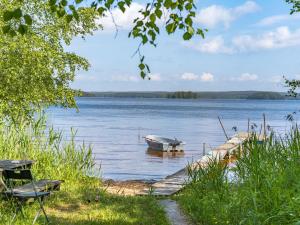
40 186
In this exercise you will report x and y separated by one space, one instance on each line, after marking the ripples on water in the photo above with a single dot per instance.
115 127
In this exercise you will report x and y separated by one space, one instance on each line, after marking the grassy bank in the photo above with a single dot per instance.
81 199
267 190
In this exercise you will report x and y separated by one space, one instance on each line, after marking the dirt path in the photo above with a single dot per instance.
174 213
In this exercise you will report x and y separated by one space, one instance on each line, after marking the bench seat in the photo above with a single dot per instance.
40 186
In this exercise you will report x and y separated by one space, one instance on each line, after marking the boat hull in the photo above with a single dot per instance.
163 144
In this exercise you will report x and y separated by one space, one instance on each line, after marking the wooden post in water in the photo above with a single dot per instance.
265 132
203 151
248 128
223 128
139 133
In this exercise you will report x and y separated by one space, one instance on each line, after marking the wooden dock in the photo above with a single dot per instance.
175 182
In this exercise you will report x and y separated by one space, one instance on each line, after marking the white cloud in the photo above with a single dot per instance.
85 78
211 45
216 14
247 77
126 78
276 79
278 19
155 76
124 21
189 76
279 38
205 77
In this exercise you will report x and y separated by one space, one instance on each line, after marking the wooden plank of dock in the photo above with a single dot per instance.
175 182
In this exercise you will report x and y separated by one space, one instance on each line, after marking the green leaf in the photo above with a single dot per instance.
6 29
64 2
142 66
22 29
12 33
170 28
188 6
76 15
143 74
152 34
188 21
7 15
78 1
152 18
52 2
158 13
101 10
28 19
61 12
72 8
69 18
109 3
174 5
187 36
191 30
200 32
144 39
128 2
139 23
168 3
122 6
17 13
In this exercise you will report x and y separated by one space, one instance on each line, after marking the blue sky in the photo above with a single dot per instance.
250 45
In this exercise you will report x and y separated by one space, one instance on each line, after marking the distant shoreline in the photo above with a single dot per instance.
254 95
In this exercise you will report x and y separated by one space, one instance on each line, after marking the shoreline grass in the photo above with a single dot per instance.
267 190
81 199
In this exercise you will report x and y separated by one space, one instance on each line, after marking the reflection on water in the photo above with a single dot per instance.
161 154
115 127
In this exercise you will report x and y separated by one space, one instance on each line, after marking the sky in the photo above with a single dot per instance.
250 45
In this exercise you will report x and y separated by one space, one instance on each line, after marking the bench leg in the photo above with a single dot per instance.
36 216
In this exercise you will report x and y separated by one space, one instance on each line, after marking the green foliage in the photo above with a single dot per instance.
296 5
35 69
265 191
182 94
176 15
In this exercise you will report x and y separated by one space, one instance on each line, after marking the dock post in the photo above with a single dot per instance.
139 133
223 128
265 132
248 130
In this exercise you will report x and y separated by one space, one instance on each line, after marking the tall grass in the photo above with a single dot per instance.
267 190
54 158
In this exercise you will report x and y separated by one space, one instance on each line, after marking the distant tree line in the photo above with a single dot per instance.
182 94
193 95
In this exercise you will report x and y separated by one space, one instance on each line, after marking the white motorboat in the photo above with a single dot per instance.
164 144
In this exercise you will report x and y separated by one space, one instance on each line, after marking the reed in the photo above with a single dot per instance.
266 190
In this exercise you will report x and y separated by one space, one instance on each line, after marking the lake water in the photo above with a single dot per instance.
115 127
